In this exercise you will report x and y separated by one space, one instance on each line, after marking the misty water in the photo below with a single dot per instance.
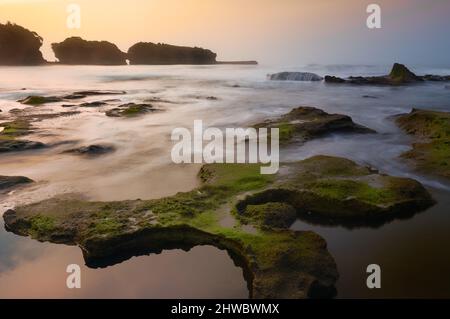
413 253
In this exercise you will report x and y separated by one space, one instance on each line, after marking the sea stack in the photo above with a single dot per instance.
77 51
19 46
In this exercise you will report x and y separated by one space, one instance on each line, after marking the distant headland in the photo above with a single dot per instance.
20 46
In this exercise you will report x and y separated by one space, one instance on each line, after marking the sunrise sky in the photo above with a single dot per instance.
270 31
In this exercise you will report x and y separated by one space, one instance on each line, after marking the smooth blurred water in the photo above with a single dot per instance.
141 167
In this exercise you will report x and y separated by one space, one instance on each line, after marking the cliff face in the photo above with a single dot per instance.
19 46
75 50
150 53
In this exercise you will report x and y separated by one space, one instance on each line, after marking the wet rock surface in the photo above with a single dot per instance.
131 110
305 123
431 151
399 75
92 150
9 182
294 76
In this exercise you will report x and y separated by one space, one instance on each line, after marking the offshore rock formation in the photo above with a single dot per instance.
399 75
151 53
19 46
77 51
295 76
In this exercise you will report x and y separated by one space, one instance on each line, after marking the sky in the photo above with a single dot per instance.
289 32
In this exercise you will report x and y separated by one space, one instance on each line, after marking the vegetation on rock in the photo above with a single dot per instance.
431 151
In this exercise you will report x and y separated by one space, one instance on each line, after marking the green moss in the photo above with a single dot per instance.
106 226
342 189
432 152
287 132
41 225
14 129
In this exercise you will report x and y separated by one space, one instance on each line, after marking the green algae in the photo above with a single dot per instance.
431 152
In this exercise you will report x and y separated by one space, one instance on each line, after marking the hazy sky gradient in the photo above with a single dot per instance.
290 32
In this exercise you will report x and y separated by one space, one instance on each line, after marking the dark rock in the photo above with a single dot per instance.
151 53
93 104
130 110
295 76
19 145
431 152
92 150
19 46
333 79
98 92
38 100
8 182
305 123
77 51
401 74
370 97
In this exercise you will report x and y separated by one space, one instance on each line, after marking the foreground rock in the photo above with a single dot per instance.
336 191
130 110
12 131
92 150
277 263
77 51
305 123
9 182
151 53
19 46
431 152
399 75
295 76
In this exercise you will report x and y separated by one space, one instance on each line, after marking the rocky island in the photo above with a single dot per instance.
151 53
19 46
77 51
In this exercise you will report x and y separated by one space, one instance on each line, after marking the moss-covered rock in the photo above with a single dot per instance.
305 123
278 262
9 137
431 152
130 110
38 100
332 190
9 182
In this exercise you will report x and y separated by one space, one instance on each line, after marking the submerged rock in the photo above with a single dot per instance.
99 92
92 150
93 104
295 76
431 152
75 50
9 182
37 100
19 46
9 141
130 110
305 123
151 53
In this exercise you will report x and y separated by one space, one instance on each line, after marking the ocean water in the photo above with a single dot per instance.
411 252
